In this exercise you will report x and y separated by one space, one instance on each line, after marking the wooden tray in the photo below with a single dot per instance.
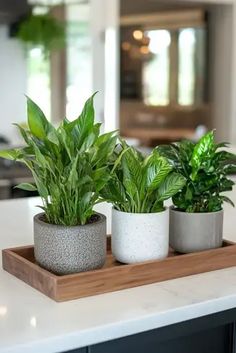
113 276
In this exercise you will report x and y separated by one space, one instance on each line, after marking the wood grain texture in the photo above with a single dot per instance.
113 276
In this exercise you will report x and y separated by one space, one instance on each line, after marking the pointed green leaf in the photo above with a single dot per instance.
23 133
37 121
85 121
26 186
173 183
157 168
227 199
132 168
52 136
201 150
11 154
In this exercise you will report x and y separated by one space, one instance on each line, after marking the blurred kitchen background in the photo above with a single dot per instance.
165 70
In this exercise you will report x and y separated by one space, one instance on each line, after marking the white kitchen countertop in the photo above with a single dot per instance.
32 323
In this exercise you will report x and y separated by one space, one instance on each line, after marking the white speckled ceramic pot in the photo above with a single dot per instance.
64 250
138 237
190 232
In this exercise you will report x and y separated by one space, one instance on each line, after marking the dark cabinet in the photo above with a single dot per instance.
216 340
209 334
80 350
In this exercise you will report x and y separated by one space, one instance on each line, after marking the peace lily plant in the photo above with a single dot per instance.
137 189
70 165
74 167
196 221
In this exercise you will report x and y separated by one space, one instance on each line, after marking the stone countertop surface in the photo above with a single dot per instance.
32 323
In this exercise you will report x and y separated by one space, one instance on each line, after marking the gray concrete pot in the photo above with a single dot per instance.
190 232
64 250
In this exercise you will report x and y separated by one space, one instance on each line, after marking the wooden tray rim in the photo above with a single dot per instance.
35 266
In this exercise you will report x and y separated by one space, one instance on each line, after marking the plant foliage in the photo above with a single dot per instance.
42 30
205 166
140 184
70 164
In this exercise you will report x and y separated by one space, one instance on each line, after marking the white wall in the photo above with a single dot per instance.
13 83
233 83
104 21
221 69
224 69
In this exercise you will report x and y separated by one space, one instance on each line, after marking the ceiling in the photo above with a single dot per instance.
12 10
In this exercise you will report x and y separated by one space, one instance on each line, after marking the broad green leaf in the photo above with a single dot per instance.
222 145
84 123
119 158
65 142
104 151
73 179
26 186
39 157
52 136
157 207
11 154
105 137
42 189
132 168
173 183
114 192
202 149
223 156
157 168
131 189
37 121
91 138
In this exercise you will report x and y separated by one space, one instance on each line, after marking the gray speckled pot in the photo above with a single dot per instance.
65 250
190 232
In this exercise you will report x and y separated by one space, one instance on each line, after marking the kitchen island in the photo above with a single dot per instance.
194 314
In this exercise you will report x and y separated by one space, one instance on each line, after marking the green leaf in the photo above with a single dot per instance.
173 183
42 189
102 139
37 121
132 168
23 133
157 168
73 178
202 149
52 136
227 199
131 189
104 148
11 154
26 186
158 206
84 123
114 192
221 144
118 159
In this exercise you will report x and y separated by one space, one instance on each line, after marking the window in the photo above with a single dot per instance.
164 67
39 79
156 70
75 72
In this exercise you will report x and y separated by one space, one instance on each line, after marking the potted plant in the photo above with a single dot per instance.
70 166
196 220
41 30
137 189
